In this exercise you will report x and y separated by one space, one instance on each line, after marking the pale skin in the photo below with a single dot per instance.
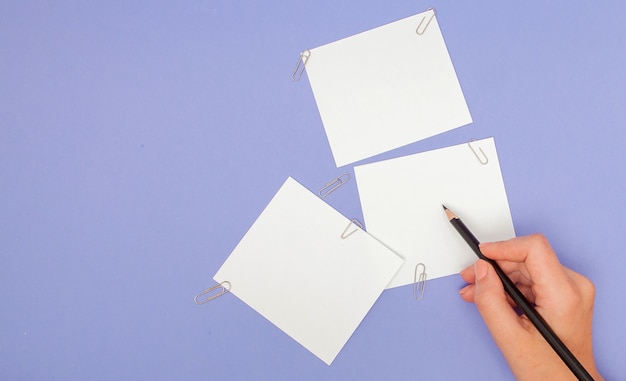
563 297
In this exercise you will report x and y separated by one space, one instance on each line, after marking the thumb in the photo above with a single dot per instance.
490 299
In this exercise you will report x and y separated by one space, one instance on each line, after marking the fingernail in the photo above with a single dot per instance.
464 290
484 244
480 270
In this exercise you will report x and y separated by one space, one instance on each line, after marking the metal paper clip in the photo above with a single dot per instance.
420 32
354 222
297 72
332 185
419 282
224 287
486 159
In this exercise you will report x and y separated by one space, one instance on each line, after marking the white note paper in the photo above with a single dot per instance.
401 200
294 268
386 88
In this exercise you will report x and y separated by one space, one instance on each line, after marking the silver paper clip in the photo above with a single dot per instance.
419 282
486 159
420 32
297 72
332 185
223 287
354 222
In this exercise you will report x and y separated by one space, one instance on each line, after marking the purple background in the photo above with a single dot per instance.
140 140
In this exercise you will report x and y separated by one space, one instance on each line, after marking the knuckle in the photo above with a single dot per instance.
540 246
581 295
484 301
483 304
539 240
587 288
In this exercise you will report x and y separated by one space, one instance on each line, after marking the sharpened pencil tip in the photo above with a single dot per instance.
448 212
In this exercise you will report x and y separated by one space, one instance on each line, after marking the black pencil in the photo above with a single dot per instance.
564 353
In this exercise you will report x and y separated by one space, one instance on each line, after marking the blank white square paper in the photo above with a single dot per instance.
402 197
294 268
386 88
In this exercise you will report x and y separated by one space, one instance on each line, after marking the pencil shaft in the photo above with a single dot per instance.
531 313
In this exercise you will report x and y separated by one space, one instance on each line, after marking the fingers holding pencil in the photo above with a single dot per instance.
553 288
522 282
530 254
563 297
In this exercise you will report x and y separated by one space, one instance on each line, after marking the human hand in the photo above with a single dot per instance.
562 297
